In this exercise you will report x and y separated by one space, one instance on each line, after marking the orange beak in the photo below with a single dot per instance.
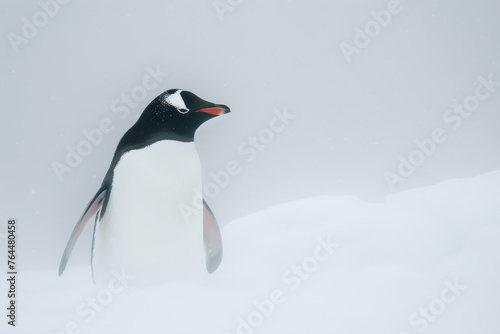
214 110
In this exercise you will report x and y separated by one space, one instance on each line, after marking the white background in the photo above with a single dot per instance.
353 119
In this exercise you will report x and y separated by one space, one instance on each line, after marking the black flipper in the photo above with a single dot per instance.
94 205
211 239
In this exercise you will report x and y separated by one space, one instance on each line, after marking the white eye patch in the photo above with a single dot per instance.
176 101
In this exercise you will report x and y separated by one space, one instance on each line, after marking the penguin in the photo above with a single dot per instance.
140 227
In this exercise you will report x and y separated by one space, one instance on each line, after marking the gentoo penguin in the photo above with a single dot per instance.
140 227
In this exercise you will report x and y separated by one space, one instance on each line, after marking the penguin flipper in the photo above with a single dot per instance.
93 206
212 239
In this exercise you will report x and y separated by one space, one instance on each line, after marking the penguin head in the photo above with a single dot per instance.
183 102
177 114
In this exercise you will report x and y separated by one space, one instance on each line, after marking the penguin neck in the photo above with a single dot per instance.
143 134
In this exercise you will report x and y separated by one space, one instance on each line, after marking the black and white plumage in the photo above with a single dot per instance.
155 171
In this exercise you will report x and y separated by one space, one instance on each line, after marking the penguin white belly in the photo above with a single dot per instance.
143 231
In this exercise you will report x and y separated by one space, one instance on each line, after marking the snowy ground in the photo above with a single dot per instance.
426 260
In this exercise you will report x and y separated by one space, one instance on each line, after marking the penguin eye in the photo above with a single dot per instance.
176 101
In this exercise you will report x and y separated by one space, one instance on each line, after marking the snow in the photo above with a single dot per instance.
366 268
